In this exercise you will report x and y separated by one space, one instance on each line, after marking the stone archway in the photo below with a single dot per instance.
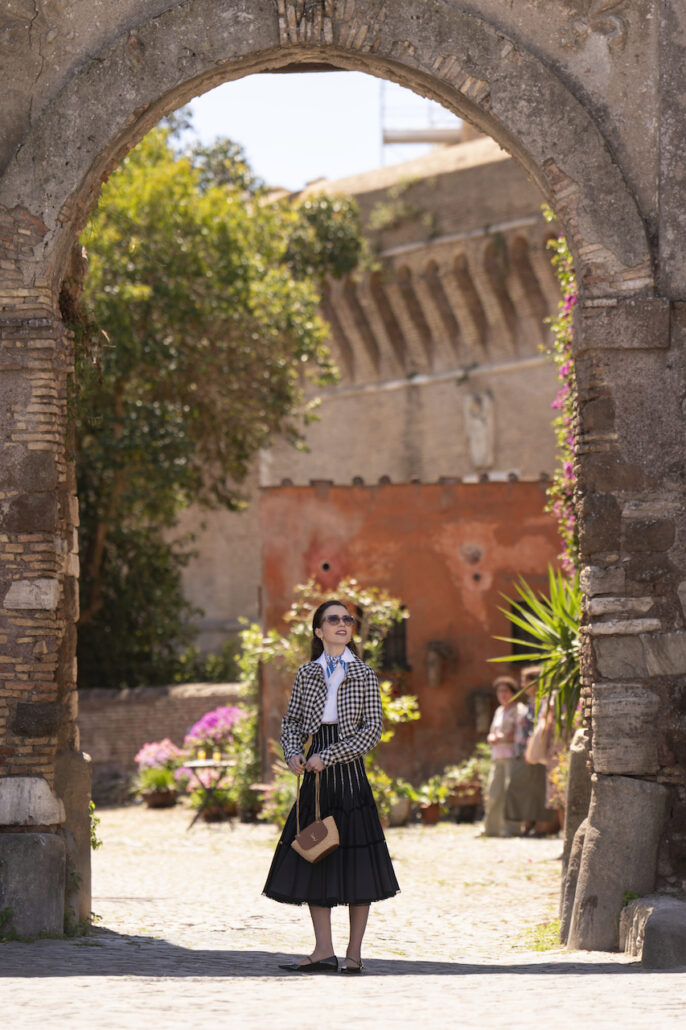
111 91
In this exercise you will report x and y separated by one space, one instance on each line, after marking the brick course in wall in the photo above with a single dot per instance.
38 515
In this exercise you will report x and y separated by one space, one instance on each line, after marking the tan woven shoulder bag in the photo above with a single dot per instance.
320 838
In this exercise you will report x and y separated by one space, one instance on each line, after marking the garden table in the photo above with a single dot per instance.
208 790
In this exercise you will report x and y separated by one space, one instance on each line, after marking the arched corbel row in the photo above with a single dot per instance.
466 286
340 339
528 281
416 313
432 277
391 324
496 265
361 322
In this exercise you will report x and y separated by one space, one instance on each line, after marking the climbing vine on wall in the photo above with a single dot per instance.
561 490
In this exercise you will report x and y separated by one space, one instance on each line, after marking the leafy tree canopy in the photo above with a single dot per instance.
197 332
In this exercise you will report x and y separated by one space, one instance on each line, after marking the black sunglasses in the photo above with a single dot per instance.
333 620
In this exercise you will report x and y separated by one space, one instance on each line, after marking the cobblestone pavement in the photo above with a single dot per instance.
185 939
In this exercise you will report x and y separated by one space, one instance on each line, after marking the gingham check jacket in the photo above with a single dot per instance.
359 712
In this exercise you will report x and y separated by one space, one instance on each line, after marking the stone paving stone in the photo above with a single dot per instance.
185 939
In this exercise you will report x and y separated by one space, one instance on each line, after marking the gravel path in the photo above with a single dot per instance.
185 937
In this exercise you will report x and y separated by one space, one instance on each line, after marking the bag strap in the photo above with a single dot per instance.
316 802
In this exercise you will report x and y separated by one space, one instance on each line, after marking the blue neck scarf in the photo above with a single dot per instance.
332 662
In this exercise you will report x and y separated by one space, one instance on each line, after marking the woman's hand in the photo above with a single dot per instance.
297 764
314 764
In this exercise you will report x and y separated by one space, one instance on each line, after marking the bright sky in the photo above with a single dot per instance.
299 127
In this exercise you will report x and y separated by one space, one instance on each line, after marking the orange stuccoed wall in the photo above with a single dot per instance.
448 551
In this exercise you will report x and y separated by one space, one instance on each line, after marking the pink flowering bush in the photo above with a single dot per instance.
182 776
215 729
158 763
158 755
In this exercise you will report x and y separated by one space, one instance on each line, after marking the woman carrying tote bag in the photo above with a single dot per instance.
336 700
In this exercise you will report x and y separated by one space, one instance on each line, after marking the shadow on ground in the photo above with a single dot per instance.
107 954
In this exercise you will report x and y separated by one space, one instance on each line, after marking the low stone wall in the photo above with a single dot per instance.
115 723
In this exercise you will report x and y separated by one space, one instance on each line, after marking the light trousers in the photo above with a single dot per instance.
496 825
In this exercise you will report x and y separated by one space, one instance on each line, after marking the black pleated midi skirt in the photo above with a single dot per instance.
358 872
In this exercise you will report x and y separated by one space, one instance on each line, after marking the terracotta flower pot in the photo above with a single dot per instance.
430 813
213 814
160 798
467 795
216 813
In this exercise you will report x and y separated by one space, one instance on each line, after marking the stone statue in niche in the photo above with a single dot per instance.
479 422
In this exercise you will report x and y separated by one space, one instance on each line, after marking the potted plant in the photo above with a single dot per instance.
157 763
464 782
433 797
403 795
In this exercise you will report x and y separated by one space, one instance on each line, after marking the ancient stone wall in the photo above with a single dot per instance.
38 542
591 99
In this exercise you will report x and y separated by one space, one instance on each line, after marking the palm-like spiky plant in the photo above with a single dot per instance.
552 627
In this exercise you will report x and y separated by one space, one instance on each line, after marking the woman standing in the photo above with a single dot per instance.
336 699
501 737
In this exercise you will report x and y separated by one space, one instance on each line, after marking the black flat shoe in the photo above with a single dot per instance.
357 968
323 965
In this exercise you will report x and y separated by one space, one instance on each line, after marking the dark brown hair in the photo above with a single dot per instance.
316 646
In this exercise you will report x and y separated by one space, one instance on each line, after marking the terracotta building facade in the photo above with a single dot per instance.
449 552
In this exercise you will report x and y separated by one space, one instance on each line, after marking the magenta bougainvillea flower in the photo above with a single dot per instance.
561 490
215 727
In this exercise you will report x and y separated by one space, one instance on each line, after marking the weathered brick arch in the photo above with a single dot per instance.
110 95
456 58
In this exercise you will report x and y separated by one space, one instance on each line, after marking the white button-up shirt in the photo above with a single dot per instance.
333 682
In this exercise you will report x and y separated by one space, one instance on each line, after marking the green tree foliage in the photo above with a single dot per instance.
325 239
197 332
